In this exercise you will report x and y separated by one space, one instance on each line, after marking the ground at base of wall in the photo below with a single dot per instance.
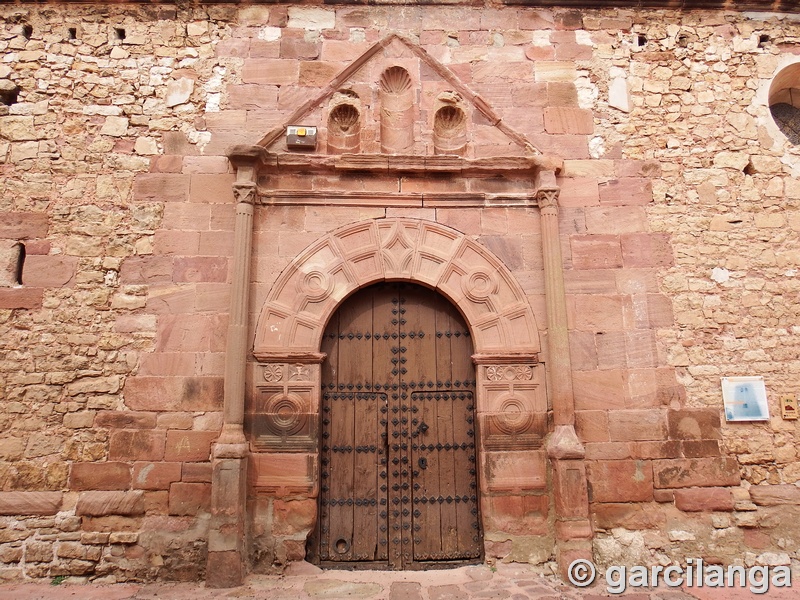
304 581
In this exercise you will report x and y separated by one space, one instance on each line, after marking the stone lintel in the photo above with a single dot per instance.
397 163
307 358
247 155
506 359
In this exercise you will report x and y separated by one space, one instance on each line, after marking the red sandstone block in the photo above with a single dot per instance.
155 476
30 503
651 450
124 419
637 168
573 530
570 147
232 48
265 49
23 225
49 271
104 503
164 187
596 251
590 281
626 191
529 94
214 188
578 191
629 516
225 119
174 393
704 499
189 499
775 495
700 448
252 97
637 425
616 220
539 53
171 299
136 323
270 71
100 476
572 19
620 481
196 472
215 243
598 390
610 350
561 119
608 451
595 312
561 93
137 444
166 164
696 472
294 48
22 297
592 425
640 349
517 514
659 311
214 297
168 364
206 164
192 333
573 51
646 250
156 502
189 446
182 243
583 351
200 268
694 424
146 269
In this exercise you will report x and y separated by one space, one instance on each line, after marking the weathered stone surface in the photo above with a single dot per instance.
704 472
775 495
704 499
30 503
620 481
99 504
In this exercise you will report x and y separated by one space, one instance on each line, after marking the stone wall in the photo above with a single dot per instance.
679 216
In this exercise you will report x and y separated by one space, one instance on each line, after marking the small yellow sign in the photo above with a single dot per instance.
789 407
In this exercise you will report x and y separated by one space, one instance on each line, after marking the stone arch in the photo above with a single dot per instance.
309 290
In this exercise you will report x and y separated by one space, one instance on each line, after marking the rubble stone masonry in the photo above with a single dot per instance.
679 214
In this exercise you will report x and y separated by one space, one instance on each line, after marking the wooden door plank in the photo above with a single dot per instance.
445 431
329 378
365 431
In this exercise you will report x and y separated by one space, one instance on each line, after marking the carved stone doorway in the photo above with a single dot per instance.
398 449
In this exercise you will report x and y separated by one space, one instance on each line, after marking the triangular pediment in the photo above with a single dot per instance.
397 99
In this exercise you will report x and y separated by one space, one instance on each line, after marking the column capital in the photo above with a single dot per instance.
245 191
548 198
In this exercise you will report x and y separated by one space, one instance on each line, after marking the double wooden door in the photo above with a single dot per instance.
398 459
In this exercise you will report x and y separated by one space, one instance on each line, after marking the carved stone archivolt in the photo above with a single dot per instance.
354 256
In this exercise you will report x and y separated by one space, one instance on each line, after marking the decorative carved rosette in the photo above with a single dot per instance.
509 373
273 373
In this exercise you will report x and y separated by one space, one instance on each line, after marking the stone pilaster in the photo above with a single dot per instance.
226 554
566 452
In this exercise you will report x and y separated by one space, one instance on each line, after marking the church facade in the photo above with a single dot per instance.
396 286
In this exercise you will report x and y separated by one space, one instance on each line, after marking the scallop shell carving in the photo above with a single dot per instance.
344 119
395 80
449 121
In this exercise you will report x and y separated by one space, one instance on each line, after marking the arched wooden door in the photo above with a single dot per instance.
398 459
